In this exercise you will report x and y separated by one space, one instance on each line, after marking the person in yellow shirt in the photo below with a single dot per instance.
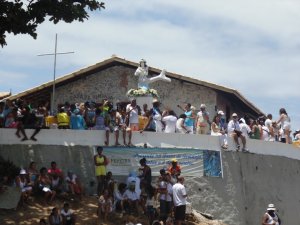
63 120
100 162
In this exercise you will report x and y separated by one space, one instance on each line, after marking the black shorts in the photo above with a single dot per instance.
180 213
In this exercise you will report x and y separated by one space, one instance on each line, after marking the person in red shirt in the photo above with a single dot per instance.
55 171
175 170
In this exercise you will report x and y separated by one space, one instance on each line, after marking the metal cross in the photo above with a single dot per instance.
54 71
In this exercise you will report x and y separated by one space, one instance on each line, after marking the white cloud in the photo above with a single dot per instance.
252 46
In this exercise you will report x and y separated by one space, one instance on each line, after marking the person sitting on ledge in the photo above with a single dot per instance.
234 131
27 121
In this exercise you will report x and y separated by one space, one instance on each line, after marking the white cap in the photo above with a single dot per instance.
271 207
234 114
202 106
221 113
22 171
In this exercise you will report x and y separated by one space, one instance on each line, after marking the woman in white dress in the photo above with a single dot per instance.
285 123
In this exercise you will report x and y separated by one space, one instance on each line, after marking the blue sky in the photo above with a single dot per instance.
252 46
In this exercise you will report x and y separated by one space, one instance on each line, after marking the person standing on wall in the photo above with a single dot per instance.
100 162
270 216
190 117
179 199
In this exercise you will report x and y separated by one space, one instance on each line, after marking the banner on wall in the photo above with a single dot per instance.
193 162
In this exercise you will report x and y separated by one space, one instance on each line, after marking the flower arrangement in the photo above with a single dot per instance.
142 92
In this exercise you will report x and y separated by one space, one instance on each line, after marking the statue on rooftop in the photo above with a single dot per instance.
144 80
143 89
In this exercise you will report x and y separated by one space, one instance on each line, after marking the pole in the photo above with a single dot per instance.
54 76
54 73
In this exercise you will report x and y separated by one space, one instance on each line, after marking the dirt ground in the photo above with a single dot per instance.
85 211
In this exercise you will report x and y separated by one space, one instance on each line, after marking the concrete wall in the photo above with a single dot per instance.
251 181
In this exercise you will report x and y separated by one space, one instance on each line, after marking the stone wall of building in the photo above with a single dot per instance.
114 82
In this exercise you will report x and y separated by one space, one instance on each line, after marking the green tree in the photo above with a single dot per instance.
23 16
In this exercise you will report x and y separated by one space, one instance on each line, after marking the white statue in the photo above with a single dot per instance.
144 81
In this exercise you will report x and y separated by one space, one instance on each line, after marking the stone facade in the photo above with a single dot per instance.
115 81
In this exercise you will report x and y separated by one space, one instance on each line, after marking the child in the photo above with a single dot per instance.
104 205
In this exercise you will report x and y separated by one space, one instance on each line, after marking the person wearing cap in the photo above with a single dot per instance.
175 170
202 119
234 130
22 182
190 117
223 124
270 216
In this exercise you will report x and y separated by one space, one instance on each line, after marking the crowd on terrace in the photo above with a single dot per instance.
162 200
131 117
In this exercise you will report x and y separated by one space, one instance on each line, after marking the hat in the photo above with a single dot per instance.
202 106
174 160
271 207
242 120
234 114
221 113
155 100
22 171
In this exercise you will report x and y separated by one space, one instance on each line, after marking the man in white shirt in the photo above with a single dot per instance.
131 199
235 132
179 199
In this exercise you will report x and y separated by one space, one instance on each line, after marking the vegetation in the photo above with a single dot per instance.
24 16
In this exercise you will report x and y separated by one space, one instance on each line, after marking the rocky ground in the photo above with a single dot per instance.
86 214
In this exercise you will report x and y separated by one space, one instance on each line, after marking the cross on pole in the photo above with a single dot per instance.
54 71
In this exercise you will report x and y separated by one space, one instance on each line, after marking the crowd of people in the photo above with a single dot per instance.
47 184
125 119
139 193
161 200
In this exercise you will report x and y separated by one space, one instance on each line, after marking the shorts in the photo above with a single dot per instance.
133 127
180 213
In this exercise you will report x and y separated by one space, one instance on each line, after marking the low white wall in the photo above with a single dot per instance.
93 138
251 181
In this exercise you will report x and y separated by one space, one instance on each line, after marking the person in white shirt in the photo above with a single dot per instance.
235 132
179 199
202 120
170 120
216 131
134 180
245 129
270 216
131 199
268 122
133 118
180 127
67 214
